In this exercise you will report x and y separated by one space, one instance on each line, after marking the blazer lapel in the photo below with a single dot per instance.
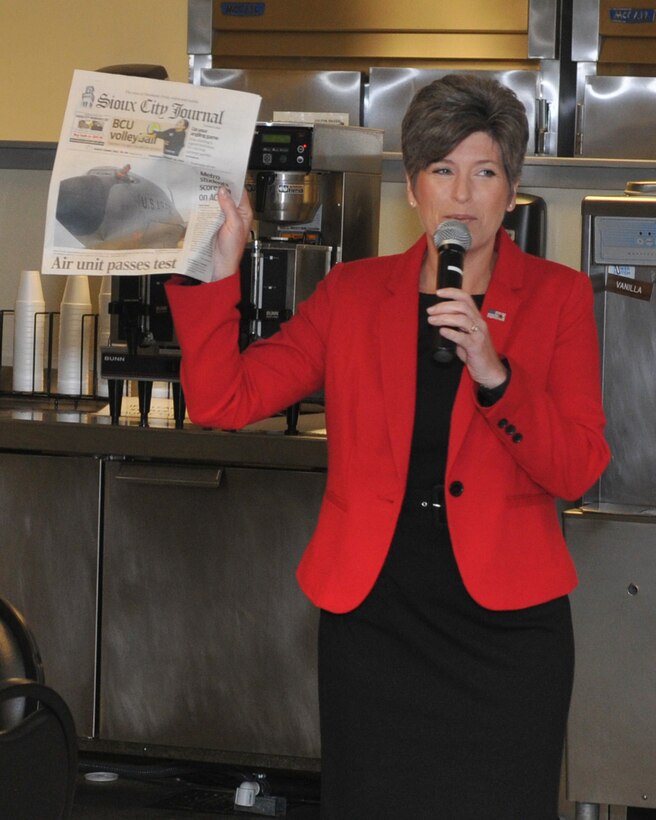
397 332
503 298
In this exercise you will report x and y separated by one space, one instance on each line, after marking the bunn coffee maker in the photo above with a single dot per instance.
315 193
318 182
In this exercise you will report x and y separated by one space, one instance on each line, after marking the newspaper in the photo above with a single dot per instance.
136 175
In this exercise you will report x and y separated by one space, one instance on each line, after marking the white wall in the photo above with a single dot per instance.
23 198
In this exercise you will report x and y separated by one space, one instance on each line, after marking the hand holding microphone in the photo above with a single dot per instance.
452 240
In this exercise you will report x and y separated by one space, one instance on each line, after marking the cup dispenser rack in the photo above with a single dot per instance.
49 321
112 364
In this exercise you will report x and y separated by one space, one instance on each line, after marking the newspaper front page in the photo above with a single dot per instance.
136 175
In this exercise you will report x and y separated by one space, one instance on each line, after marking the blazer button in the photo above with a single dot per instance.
456 488
510 429
517 438
502 423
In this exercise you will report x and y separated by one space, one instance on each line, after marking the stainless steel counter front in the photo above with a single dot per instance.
156 568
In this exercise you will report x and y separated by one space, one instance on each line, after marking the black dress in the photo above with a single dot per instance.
433 707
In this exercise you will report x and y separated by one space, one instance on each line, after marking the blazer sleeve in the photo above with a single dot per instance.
550 419
227 389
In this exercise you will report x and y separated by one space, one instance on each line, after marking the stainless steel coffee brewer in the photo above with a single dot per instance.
309 180
315 193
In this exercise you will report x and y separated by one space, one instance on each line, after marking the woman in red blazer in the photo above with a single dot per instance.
438 560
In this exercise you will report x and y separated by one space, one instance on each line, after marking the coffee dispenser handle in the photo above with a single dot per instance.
263 182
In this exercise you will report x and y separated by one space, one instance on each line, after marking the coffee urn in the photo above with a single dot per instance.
315 193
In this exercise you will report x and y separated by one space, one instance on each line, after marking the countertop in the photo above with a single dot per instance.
83 427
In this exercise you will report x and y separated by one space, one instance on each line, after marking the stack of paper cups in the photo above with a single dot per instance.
29 333
75 337
104 298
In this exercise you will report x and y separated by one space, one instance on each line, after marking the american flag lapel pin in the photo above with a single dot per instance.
499 315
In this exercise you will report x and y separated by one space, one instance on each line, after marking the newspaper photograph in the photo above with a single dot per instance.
136 174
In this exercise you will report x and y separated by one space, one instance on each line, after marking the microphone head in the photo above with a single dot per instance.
452 232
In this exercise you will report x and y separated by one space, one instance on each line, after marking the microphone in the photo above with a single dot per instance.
452 240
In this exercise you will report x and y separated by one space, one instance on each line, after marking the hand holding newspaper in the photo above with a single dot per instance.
136 175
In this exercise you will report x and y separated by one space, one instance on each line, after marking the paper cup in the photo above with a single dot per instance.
75 338
29 334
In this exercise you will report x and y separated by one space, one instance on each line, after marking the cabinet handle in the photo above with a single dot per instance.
175 475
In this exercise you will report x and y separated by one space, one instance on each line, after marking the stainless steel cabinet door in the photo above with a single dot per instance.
207 642
611 736
48 566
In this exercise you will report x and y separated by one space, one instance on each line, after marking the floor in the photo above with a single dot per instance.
131 800
135 793
181 793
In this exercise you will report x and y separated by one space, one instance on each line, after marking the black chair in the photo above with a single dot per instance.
38 745
19 658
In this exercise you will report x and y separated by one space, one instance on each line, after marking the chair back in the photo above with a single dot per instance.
38 741
19 658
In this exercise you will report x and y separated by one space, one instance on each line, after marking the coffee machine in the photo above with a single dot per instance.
142 345
315 194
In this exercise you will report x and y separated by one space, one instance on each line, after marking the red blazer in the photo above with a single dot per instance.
357 337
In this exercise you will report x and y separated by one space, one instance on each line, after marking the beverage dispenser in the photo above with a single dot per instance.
612 724
619 254
315 193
